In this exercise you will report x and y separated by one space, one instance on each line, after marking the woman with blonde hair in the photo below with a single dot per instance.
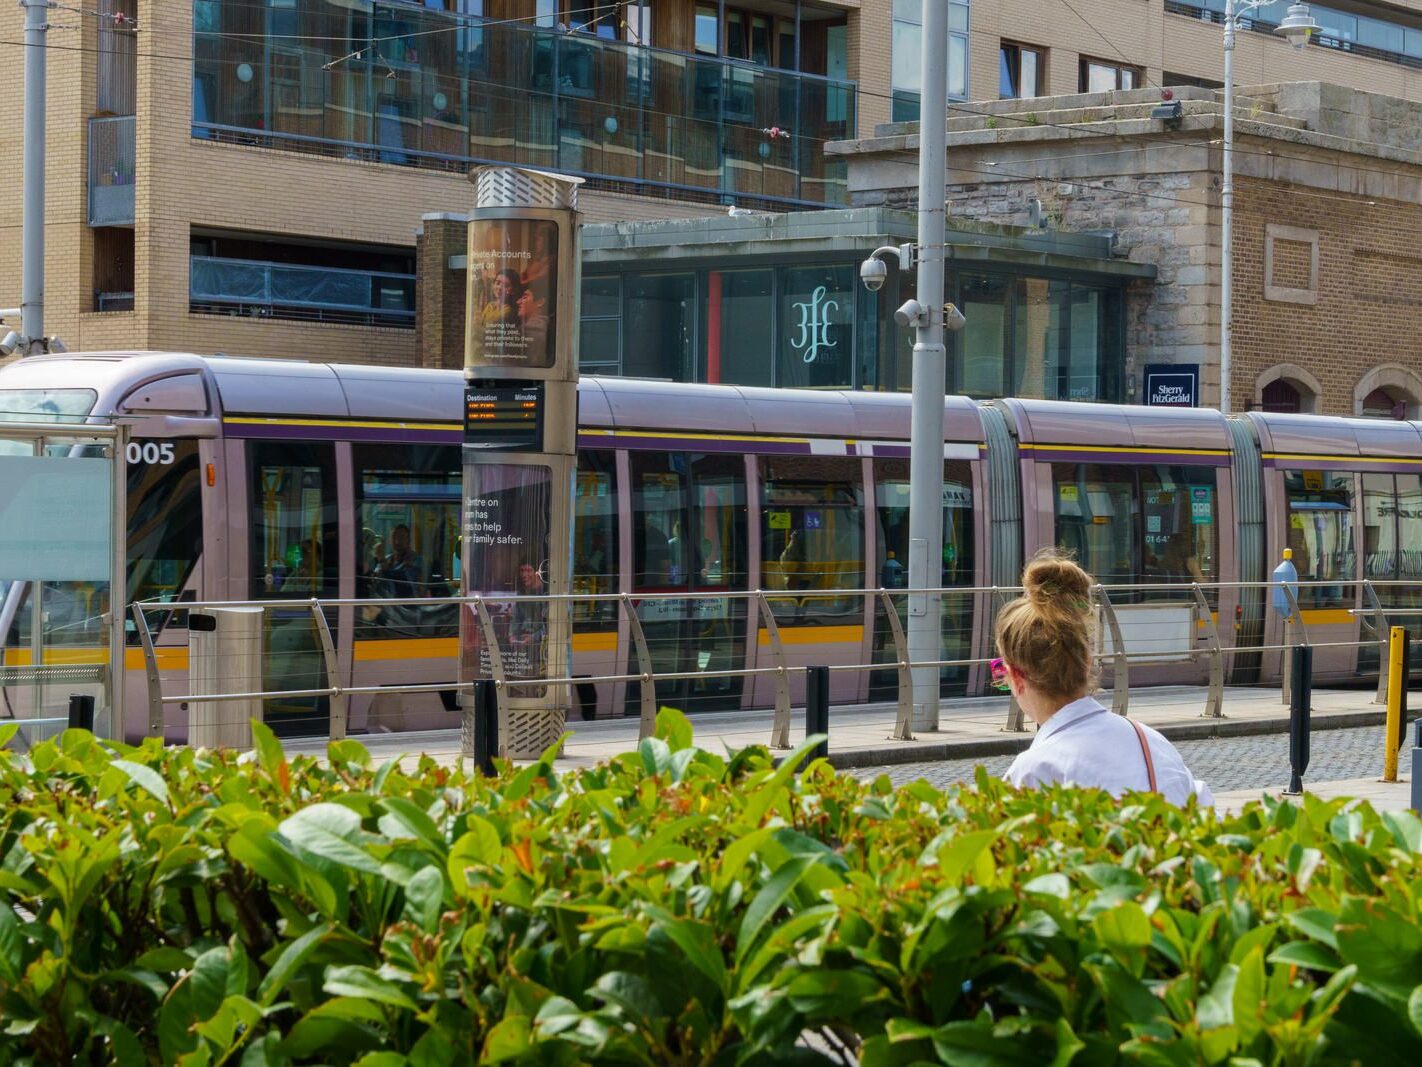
1045 640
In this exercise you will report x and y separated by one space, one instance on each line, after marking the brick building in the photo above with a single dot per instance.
249 175
1328 224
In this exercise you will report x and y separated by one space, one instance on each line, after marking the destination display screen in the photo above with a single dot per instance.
504 416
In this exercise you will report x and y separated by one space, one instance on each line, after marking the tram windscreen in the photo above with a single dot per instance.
42 405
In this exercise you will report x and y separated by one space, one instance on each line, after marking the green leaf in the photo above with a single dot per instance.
208 982
478 846
1049 885
292 957
362 983
674 729
145 777
1125 931
269 751
962 852
1414 1009
1315 923
164 958
697 942
1307 954
424 898
736 855
348 751
634 995
404 818
656 755
768 901
12 944
1249 996
1215 1009
509 1040
323 830
1406 829
833 995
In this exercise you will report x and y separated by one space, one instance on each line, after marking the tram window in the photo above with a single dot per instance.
659 557
1392 536
164 525
812 531
891 492
1178 507
1096 518
595 538
1321 534
718 522
408 545
294 520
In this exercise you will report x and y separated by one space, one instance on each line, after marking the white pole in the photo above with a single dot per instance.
1227 212
32 225
929 371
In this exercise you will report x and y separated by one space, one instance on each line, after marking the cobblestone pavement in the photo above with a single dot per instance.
1224 763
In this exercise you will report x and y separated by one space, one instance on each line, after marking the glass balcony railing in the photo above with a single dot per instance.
396 83
111 171
288 291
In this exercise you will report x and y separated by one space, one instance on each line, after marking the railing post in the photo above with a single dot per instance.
479 732
817 708
1398 661
1300 707
340 702
1121 688
647 691
1380 631
1214 698
780 728
903 719
155 682
81 712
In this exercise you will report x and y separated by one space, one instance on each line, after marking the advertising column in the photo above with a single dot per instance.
520 445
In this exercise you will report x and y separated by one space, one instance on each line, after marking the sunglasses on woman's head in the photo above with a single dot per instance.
998 667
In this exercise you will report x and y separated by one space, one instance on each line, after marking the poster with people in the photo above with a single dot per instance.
513 293
506 547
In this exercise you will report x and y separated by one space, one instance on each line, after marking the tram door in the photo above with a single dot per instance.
891 495
292 490
689 535
1321 532
1392 549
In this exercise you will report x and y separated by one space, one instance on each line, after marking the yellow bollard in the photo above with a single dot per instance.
1396 681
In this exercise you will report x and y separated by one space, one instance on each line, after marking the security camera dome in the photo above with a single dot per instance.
873 273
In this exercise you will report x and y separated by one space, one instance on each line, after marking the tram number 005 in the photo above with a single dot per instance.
150 452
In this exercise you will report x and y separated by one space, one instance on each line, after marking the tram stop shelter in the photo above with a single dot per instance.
62 517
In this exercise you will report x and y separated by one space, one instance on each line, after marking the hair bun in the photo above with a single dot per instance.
1053 581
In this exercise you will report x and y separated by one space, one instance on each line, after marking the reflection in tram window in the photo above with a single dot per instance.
595 540
1139 523
164 527
1321 535
891 501
812 533
293 525
689 534
1392 536
408 545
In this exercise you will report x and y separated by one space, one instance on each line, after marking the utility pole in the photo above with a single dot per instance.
32 227
929 374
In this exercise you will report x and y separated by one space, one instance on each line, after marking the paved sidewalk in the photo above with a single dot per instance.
1384 796
968 729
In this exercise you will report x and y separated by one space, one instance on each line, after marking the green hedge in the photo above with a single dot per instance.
677 907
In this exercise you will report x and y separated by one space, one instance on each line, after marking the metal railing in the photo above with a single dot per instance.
111 171
286 290
1182 621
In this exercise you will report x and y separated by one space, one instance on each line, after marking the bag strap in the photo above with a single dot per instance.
1145 751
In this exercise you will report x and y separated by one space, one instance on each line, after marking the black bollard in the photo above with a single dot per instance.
817 708
1300 704
1402 690
81 712
486 725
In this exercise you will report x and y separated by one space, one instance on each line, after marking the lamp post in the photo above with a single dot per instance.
1298 26
929 316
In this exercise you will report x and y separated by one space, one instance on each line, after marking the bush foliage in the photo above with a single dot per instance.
677 907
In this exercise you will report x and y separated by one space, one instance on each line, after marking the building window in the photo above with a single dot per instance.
1170 78
708 31
1381 404
1021 71
266 277
1282 396
600 340
907 44
1290 264
1102 76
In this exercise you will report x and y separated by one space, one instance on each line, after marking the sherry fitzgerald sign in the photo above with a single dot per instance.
1172 385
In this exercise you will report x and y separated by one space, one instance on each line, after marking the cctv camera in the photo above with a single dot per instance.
10 343
873 273
909 313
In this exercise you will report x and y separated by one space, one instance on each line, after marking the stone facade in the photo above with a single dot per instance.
1328 189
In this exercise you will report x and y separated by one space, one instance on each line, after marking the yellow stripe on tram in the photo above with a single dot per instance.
1327 616
407 648
815 635
169 659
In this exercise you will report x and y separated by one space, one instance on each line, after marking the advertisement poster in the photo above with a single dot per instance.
506 547
513 293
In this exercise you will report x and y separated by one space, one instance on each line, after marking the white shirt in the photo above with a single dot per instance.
1083 744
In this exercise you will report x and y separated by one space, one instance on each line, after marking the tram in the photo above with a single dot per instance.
283 480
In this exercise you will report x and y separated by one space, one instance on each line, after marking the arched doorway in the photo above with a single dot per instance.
1280 395
1381 404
